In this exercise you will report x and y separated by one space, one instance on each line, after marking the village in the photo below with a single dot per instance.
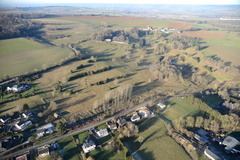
211 145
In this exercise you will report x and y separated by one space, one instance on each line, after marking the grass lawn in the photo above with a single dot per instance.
69 149
156 144
179 108
17 44
20 62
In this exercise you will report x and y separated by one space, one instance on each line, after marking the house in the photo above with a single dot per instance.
4 119
88 146
145 113
201 136
102 133
161 105
146 28
230 142
43 152
112 126
121 121
22 157
135 117
22 124
211 155
27 114
45 129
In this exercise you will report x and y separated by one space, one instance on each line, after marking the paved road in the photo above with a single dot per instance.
72 133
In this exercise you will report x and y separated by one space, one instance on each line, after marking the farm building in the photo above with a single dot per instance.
27 114
4 119
88 146
211 155
230 142
18 87
201 136
22 124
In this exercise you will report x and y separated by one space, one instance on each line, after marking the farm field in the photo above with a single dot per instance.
205 34
156 144
178 108
17 44
28 56
180 25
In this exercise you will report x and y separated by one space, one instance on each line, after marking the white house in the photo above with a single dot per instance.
88 146
145 113
112 126
135 117
161 105
102 133
22 124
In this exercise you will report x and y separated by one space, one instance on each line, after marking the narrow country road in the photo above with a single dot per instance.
72 133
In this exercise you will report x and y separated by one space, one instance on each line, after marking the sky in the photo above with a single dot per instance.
217 2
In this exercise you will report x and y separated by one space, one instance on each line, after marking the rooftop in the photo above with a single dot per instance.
43 151
230 142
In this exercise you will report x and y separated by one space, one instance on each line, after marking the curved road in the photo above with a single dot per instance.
72 133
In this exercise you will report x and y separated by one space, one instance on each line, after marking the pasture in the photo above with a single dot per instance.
20 56
178 108
156 144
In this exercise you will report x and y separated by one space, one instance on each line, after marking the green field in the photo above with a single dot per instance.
156 144
19 56
69 149
227 49
17 44
178 108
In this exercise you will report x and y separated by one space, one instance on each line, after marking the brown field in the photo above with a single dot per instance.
205 34
108 18
180 25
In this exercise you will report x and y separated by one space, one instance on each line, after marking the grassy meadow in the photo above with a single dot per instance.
20 56
178 108
156 144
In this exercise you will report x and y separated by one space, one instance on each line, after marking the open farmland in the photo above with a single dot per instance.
156 144
205 34
19 56
180 25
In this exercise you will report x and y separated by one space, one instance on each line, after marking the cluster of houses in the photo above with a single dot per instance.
163 30
22 122
230 144
90 145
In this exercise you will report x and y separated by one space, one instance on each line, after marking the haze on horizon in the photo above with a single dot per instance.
202 2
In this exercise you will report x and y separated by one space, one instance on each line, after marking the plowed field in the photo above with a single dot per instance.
205 34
